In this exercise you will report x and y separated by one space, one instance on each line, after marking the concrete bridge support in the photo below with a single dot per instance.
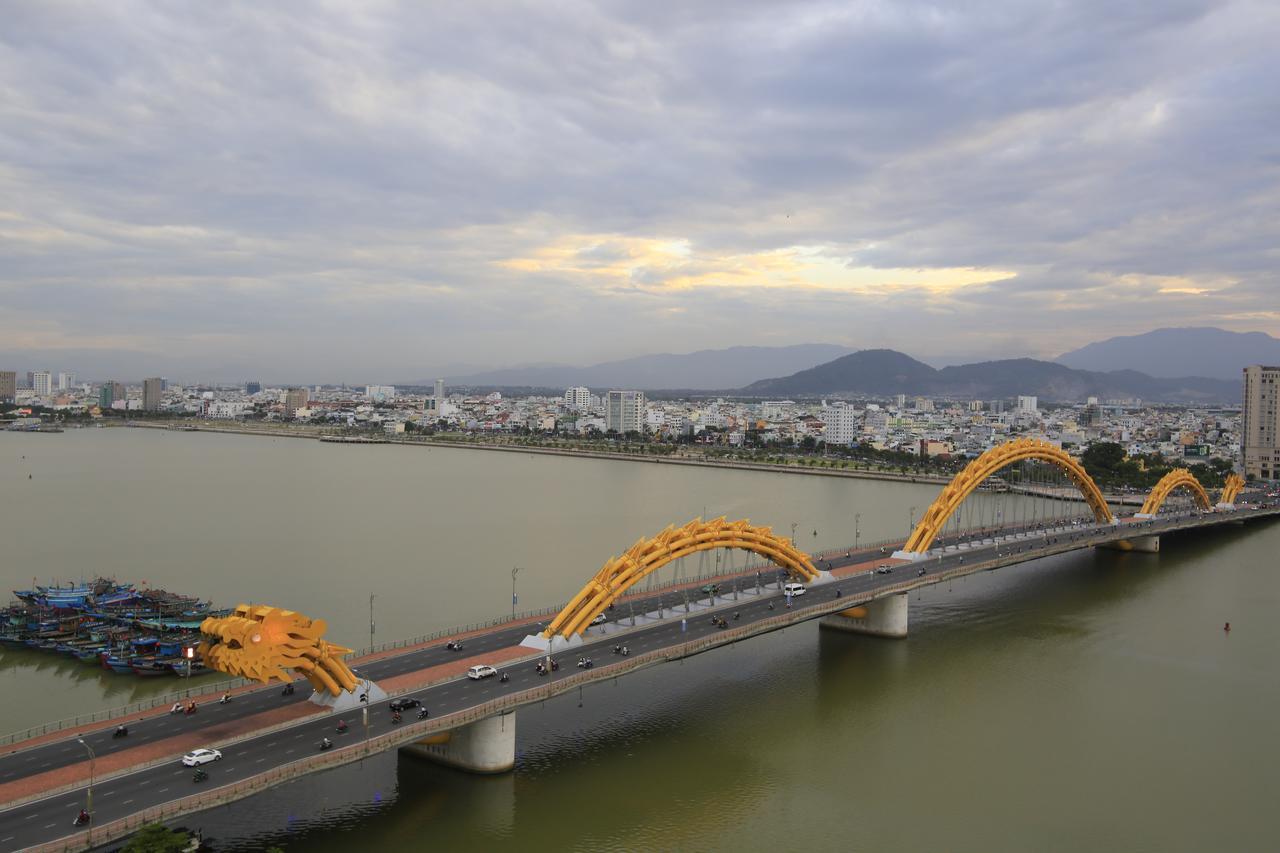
1141 544
884 617
485 746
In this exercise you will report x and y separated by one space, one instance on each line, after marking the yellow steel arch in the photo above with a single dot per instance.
648 555
1002 456
1231 489
1178 478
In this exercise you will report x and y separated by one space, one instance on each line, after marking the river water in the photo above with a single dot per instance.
1089 701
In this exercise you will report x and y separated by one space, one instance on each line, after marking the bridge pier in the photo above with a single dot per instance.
1141 544
883 617
485 746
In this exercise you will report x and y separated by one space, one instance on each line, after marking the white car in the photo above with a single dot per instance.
794 589
480 671
197 757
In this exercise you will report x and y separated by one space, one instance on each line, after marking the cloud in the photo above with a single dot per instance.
573 182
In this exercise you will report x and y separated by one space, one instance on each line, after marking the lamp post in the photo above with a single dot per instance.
371 623
793 533
912 522
88 805
514 571
857 517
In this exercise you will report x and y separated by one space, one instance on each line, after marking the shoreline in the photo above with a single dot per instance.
763 467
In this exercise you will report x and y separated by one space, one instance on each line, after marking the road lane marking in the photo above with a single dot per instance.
28 817
48 826
161 790
126 802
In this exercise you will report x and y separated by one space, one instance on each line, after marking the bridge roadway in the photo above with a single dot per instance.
45 820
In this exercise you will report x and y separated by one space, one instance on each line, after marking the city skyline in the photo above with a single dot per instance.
238 190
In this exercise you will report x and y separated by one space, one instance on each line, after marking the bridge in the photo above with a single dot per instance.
266 738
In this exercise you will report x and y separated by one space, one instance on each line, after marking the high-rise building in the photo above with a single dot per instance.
109 393
252 387
380 392
1260 429
625 412
42 383
8 385
439 398
295 399
1028 405
578 398
996 407
152 390
843 424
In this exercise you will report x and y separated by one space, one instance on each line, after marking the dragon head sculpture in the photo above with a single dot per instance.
262 642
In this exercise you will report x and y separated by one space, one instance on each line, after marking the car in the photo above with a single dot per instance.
403 704
884 570
481 670
794 589
196 757
599 620
711 588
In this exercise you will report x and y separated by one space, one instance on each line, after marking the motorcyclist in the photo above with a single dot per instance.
226 697
422 712
325 743
395 716
83 817
122 730
342 725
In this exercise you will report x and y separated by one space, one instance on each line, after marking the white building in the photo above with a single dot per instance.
66 381
625 412
1028 405
380 392
843 424
42 383
578 399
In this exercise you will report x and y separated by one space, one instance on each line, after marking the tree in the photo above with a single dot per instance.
157 838
1102 457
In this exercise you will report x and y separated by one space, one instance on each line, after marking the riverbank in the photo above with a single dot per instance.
703 462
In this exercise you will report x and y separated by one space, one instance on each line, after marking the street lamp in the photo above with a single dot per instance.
371 624
793 533
514 570
88 805
857 517
911 523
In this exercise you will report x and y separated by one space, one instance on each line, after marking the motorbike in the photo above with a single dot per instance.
326 744
504 678
199 776
540 669
422 713
120 732
226 698
395 718
288 690
584 663
555 665
342 726
625 651
453 646
81 819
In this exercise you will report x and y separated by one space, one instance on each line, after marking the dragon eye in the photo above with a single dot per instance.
257 638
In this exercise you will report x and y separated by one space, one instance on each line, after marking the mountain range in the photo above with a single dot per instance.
702 370
1165 353
884 372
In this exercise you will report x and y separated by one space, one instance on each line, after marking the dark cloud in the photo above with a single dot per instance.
248 183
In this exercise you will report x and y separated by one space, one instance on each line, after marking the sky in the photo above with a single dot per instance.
383 191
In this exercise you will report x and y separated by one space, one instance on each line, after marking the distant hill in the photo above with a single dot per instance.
887 372
702 370
1201 351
